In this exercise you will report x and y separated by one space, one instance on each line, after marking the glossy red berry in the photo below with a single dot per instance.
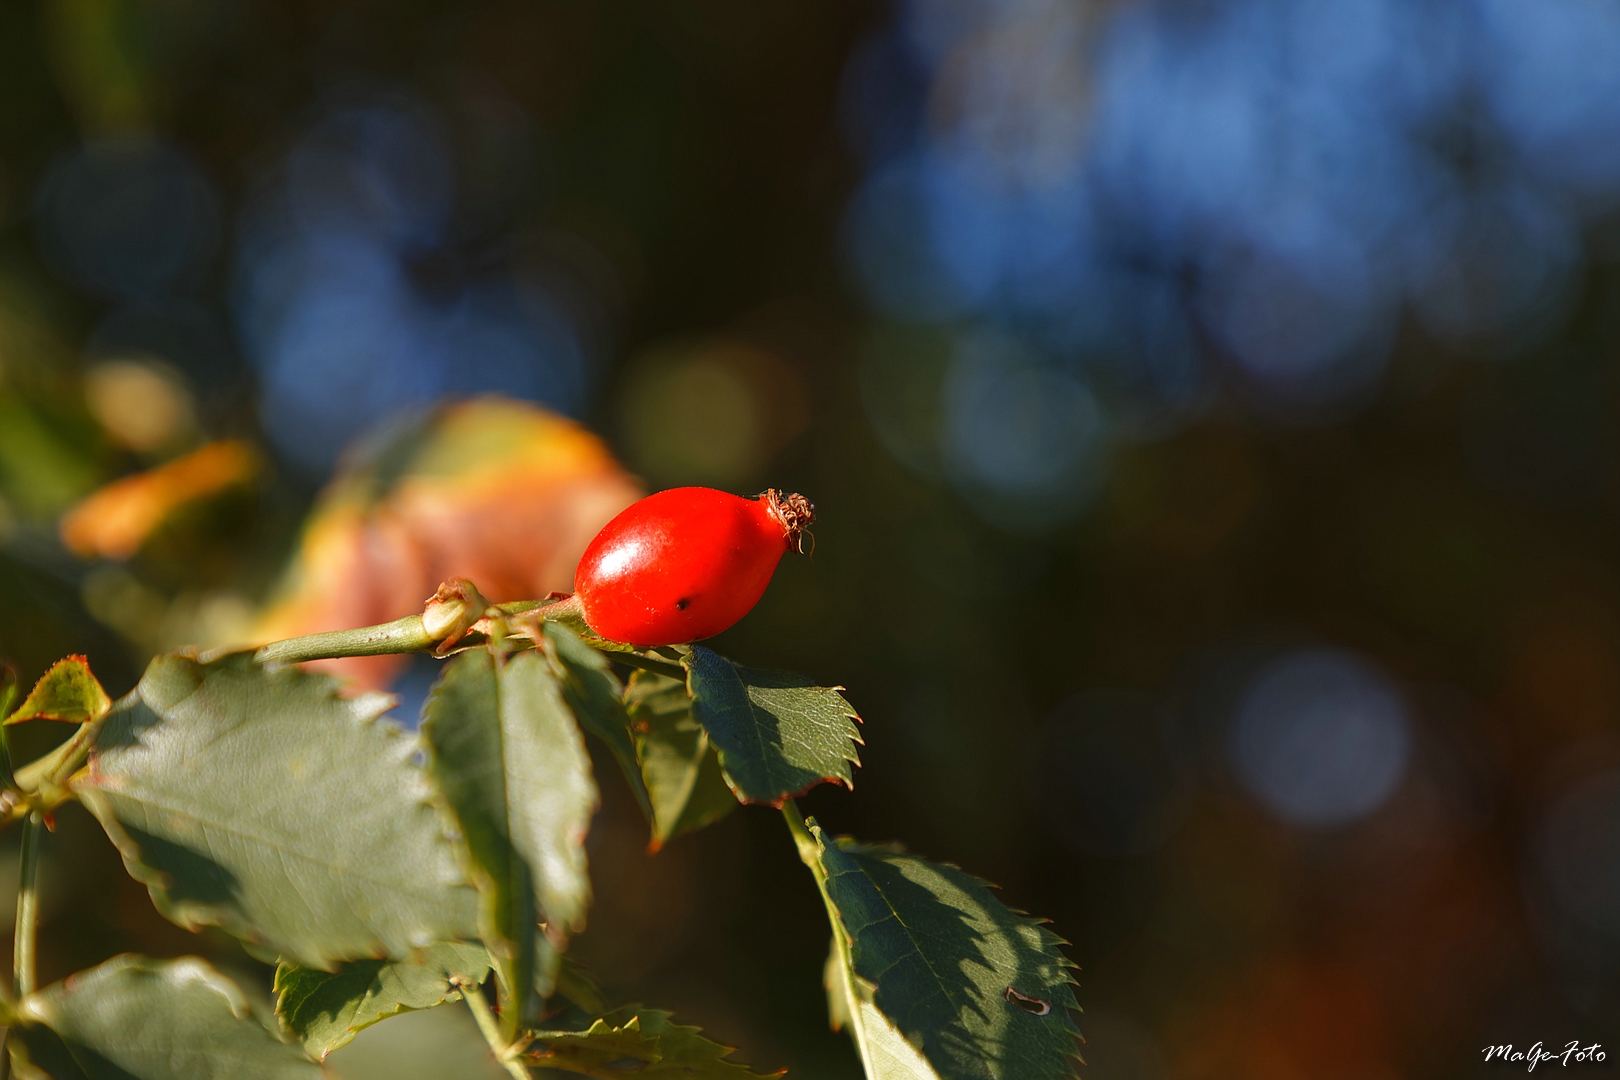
686 563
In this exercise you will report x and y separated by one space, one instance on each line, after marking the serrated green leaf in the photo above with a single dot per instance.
778 734
941 974
597 698
326 1009
258 800
68 692
885 1053
678 763
507 754
465 732
133 1018
635 1041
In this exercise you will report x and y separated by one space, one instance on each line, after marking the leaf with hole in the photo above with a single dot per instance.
678 762
507 754
926 954
778 734
258 800
326 1009
634 1041
133 1018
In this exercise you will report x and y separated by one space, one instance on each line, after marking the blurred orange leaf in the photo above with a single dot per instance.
500 492
116 520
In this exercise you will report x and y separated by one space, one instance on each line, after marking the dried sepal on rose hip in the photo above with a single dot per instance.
687 563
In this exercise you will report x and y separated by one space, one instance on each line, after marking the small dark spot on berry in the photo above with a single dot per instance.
683 603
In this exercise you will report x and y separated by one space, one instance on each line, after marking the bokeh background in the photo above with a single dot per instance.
1211 408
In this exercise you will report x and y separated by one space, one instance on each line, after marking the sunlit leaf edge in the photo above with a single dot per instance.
870 990
50 1010
295 987
195 916
706 784
773 793
603 1047
577 664
68 691
513 892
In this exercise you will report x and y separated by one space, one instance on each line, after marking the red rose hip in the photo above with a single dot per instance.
686 563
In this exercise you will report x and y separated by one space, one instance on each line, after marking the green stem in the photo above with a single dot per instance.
474 997
810 855
801 837
400 636
28 904
408 635
54 769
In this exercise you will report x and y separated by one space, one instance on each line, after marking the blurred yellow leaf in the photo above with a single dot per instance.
115 521
497 491
141 404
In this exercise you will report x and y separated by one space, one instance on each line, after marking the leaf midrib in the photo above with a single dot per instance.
910 936
754 726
